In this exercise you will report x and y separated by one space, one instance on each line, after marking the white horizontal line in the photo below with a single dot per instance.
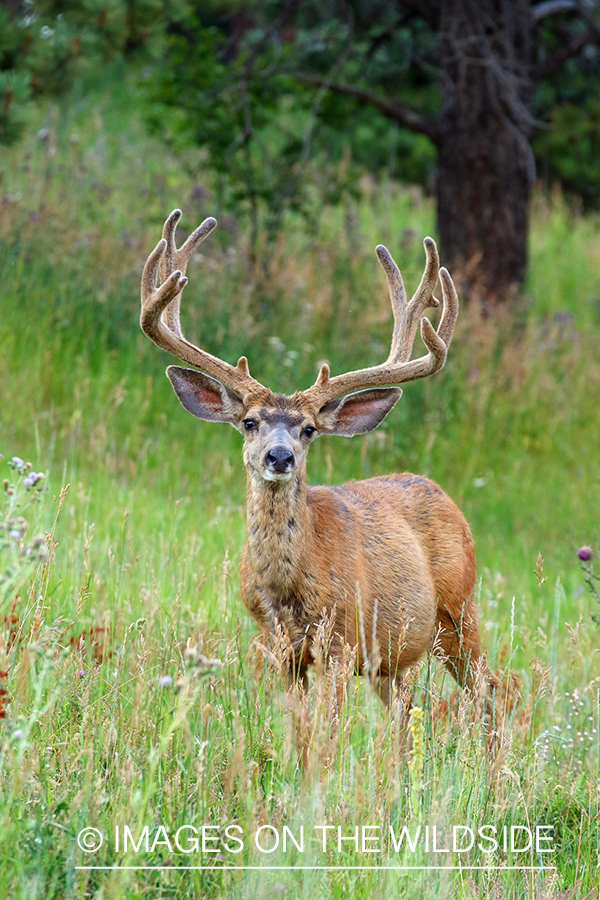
335 868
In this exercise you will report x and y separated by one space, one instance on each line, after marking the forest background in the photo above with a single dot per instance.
133 689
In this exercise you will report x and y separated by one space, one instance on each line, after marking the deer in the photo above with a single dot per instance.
390 560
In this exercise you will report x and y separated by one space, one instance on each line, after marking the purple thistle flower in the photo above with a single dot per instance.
13 533
585 554
18 734
17 461
30 480
165 680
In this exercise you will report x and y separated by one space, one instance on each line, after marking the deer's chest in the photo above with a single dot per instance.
279 589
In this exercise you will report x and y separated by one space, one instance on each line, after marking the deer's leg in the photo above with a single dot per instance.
337 686
296 676
396 694
340 666
295 670
458 642
386 686
392 688
460 649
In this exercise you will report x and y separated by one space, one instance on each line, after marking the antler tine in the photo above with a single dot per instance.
450 311
174 259
422 299
407 315
396 290
161 305
398 367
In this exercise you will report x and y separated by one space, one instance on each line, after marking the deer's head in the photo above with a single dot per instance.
279 429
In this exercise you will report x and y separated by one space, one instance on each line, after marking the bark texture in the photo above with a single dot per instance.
486 164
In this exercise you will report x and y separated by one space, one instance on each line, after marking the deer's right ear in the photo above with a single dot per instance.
205 397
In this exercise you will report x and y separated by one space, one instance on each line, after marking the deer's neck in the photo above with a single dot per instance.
277 517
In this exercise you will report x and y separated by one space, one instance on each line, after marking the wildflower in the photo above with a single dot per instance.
165 680
30 480
564 317
198 192
18 462
81 673
13 533
18 734
585 553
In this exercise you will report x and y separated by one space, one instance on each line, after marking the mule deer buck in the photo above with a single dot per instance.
391 559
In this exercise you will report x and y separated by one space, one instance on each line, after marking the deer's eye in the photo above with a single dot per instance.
309 431
250 424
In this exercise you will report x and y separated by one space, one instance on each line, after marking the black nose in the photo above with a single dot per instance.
279 459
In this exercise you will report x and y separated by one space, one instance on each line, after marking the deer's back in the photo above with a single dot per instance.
408 549
412 514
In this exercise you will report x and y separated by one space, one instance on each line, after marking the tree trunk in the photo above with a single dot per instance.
485 161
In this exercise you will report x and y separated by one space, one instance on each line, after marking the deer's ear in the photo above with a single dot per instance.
357 413
205 397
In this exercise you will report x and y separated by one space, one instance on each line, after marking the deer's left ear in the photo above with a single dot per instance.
357 413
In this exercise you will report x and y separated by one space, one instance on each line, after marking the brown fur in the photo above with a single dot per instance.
391 558
388 561
396 545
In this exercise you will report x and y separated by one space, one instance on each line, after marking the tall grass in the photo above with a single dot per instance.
135 691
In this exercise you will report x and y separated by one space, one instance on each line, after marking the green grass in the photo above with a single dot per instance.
141 577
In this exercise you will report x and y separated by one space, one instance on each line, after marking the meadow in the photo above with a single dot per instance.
133 689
